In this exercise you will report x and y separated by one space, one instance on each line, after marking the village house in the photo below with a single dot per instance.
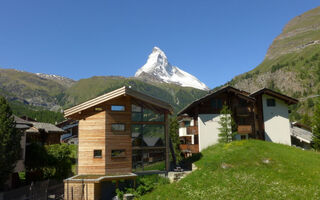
121 132
263 114
301 135
70 127
31 131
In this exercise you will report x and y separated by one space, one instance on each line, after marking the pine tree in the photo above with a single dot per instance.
316 127
226 123
9 142
175 141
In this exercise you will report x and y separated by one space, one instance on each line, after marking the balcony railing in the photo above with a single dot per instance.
192 130
193 148
244 129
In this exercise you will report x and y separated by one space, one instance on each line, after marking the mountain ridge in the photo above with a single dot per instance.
291 65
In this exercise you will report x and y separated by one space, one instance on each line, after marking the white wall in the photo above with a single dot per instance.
276 121
182 131
208 128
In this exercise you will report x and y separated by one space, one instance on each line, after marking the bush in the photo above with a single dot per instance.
144 185
51 161
60 160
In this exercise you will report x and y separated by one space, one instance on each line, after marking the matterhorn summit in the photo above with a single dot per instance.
157 68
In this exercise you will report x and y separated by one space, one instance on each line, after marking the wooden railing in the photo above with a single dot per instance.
192 130
244 129
194 148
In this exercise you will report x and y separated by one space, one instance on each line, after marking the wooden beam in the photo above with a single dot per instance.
149 122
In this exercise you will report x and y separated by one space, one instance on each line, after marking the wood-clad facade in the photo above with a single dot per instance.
106 129
120 132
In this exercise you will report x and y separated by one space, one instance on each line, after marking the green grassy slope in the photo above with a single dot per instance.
290 174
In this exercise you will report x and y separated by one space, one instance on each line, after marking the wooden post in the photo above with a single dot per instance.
166 119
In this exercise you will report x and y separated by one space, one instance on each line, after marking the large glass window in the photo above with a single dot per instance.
148 140
147 135
144 114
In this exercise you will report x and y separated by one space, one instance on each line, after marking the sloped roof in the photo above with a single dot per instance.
243 94
287 99
301 134
114 94
240 93
47 127
21 123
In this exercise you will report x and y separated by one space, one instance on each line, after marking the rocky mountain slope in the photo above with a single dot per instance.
31 89
158 69
291 65
67 82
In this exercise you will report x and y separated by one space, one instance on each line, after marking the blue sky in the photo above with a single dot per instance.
213 40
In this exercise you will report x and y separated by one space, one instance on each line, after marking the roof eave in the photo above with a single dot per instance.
114 94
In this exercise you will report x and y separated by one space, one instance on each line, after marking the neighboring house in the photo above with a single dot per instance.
301 135
32 131
119 132
263 115
44 133
70 127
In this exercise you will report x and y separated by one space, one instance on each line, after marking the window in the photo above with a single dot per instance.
117 108
216 103
187 123
97 153
119 153
118 127
271 102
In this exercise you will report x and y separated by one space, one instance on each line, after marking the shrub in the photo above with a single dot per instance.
51 161
59 159
144 185
226 123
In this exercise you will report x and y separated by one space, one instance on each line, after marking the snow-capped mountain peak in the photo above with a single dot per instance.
158 68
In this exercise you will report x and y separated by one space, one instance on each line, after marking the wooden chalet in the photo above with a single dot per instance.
44 133
119 133
249 111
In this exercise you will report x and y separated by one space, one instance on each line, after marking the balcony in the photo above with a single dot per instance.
244 129
193 148
192 130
